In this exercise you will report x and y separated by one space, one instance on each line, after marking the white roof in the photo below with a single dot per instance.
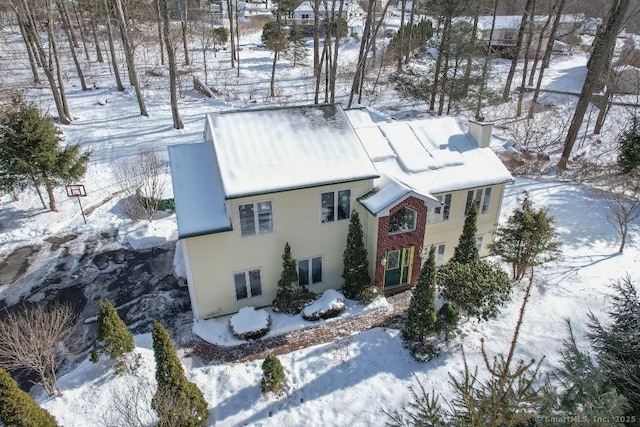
268 150
423 158
200 204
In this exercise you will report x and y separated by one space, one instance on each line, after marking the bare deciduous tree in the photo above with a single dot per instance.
622 199
130 404
143 181
36 339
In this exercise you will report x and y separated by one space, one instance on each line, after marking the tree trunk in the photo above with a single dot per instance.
82 29
525 66
66 23
52 198
112 48
445 45
237 51
69 32
232 35
272 86
37 188
407 53
546 56
317 91
334 61
514 61
401 35
160 38
183 24
485 64
536 57
171 57
597 62
32 56
316 43
129 55
603 109
53 53
23 11
96 40
472 52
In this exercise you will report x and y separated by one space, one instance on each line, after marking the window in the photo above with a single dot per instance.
393 260
248 284
309 271
479 240
440 250
481 197
402 221
441 213
335 205
255 218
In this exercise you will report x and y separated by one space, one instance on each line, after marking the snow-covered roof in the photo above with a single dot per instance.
267 150
329 7
198 193
506 22
423 158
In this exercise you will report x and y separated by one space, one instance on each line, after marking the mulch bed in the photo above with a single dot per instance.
295 340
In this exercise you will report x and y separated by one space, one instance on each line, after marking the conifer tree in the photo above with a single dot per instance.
422 312
114 339
272 375
467 250
30 153
17 408
288 282
297 48
617 343
356 265
448 319
629 148
527 239
177 400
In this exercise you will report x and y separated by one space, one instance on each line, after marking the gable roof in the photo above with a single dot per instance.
422 158
277 149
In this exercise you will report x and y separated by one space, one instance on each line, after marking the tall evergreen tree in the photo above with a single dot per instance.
177 401
617 343
467 249
17 408
114 339
288 282
527 239
586 392
274 37
297 48
422 312
629 147
355 263
30 151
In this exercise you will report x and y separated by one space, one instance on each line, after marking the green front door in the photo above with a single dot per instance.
398 267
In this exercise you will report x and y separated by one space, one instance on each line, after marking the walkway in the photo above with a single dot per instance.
295 340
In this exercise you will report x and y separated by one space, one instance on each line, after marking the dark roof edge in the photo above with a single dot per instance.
204 233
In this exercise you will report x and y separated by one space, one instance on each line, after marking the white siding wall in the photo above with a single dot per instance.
296 214
448 232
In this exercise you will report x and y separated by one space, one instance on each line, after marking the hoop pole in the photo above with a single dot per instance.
81 210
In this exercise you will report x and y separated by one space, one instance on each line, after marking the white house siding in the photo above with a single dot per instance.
296 215
448 232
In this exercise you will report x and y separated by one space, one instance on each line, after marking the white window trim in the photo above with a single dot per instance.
415 222
336 203
310 260
247 283
436 218
479 241
480 199
256 222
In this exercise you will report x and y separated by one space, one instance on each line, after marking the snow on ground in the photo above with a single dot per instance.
352 381
348 382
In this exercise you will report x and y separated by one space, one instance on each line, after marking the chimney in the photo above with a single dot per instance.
480 131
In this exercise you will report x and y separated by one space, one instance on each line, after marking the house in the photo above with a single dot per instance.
304 14
506 27
265 177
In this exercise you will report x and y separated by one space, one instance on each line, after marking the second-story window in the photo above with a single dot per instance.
255 218
335 205
482 199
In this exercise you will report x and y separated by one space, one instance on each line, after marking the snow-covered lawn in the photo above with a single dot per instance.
351 381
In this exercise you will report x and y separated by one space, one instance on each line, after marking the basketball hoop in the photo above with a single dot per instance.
77 190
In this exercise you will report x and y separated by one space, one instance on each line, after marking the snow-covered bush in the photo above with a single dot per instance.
330 304
424 352
249 323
